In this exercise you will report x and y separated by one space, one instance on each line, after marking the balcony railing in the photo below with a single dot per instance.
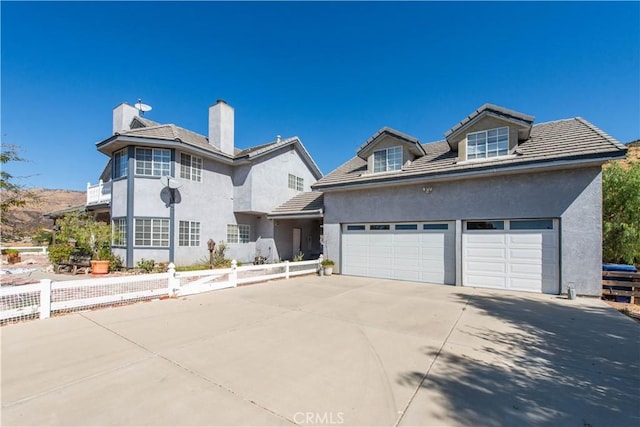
99 193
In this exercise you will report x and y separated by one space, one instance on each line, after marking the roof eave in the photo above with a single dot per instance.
103 146
452 175
318 213
407 139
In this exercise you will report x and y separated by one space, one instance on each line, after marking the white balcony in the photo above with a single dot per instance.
99 194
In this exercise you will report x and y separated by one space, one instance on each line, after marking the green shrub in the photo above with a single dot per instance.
146 265
60 253
327 263
115 262
299 257
621 213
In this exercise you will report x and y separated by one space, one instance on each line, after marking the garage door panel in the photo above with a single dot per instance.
525 269
487 281
487 267
486 253
406 274
485 239
417 255
529 255
524 284
384 273
529 259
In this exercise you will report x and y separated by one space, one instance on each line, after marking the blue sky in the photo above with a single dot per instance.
330 73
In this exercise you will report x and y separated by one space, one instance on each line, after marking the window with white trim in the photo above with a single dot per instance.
389 159
189 233
190 167
238 233
296 183
120 165
151 232
119 232
488 143
153 161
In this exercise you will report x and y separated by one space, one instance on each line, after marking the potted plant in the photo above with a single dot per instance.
100 260
13 255
327 266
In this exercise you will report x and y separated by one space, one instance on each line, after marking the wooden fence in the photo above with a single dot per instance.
624 284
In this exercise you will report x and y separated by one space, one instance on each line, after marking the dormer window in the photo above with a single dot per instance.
488 143
386 160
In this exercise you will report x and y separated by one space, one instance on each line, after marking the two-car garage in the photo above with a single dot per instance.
503 254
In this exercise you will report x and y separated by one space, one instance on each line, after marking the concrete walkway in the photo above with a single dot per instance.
331 351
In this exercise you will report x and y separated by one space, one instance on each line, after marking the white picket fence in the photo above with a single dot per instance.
38 249
41 300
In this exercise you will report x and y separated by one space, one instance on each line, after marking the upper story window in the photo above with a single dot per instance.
190 167
153 161
387 160
296 183
120 163
488 143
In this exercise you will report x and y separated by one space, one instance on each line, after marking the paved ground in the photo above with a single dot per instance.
333 351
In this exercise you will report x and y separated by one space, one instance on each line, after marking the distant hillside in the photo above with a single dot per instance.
26 221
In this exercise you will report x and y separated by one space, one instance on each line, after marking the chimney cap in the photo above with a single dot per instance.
221 101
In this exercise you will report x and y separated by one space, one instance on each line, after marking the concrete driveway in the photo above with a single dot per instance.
332 351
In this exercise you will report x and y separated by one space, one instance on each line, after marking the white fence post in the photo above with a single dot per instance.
233 276
45 298
286 269
173 282
320 258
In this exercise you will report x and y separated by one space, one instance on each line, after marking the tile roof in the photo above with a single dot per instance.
495 109
261 149
569 139
143 121
309 203
171 132
388 131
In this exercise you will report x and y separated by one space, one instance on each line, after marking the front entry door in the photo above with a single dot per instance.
296 241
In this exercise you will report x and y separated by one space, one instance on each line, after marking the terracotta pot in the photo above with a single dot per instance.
13 258
99 267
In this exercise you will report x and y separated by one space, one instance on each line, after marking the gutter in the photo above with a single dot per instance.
317 213
455 176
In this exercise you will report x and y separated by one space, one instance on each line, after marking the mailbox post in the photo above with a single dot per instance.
211 245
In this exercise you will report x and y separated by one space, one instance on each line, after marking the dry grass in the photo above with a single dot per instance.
631 310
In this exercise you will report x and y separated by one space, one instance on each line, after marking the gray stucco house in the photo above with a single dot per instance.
216 191
500 203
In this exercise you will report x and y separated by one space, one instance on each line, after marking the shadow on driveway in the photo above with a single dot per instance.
542 362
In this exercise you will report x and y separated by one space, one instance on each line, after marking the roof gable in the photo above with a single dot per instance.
521 121
552 143
370 144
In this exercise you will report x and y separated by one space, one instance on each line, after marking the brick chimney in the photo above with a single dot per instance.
122 116
221 127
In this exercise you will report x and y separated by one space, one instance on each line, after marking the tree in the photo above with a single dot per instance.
12 194
91 236
621 213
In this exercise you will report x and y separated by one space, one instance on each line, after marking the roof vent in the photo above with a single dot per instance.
278 138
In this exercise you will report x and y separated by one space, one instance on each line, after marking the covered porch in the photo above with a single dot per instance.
297 226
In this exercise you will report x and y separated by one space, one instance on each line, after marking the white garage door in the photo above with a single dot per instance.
423 252
520 255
